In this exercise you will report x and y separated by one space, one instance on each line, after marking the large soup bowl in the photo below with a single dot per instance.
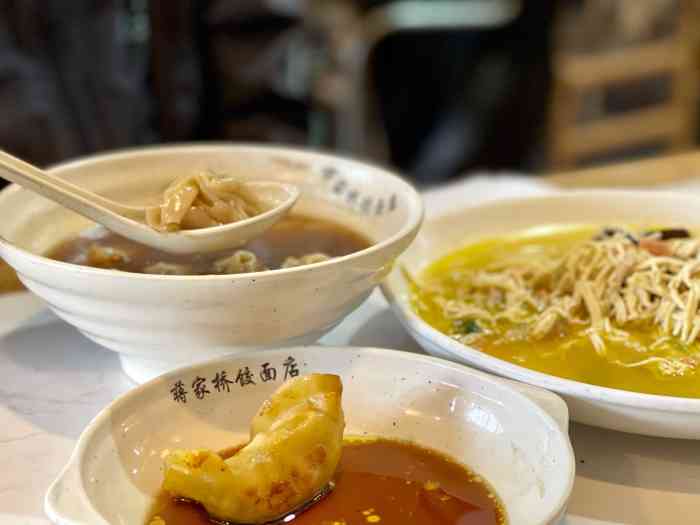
513 435
158 322
653 415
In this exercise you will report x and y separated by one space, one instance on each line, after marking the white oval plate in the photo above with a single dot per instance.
652 415
501 430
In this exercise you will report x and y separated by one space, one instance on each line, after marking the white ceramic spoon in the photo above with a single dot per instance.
129 221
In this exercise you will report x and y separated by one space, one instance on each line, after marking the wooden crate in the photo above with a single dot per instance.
671 123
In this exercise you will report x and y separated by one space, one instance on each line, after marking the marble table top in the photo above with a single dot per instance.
53 381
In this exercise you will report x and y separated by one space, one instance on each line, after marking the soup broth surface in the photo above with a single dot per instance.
567 351
382 481
8 279
293 237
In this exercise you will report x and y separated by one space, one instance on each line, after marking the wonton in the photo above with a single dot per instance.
201 201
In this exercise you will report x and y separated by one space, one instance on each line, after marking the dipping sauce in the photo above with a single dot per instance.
382 481
294 241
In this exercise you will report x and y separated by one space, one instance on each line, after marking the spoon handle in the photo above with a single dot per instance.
69 195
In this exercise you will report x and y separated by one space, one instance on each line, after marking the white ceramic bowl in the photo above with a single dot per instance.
605 407
159 322
494 427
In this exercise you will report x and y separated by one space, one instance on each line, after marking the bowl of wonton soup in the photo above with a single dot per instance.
513 436
157 321
474 234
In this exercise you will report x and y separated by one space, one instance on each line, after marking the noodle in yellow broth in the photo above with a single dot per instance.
608 307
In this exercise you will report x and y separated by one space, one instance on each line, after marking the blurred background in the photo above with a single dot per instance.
436 88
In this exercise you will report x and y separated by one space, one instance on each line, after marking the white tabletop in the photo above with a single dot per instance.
53 381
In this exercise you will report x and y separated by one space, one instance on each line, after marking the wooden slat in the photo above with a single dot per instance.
685 89
637 128
641 173
593 70
567 104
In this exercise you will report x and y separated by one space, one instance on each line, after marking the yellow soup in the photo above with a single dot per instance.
629 321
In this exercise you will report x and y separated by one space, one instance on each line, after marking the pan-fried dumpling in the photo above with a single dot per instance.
294 450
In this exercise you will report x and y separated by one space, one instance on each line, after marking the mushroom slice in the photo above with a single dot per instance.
294 450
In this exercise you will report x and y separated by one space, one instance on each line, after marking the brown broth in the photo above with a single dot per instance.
8 279
387 482
293 236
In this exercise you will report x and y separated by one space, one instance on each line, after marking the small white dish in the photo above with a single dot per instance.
502 430
159 322
653 415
